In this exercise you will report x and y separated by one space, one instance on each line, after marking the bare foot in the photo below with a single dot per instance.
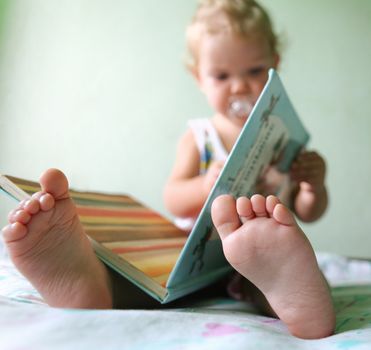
48 245
263 242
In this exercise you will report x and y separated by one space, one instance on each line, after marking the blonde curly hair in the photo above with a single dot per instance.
240 17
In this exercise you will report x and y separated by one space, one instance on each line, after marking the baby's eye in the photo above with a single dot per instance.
221 76
256 71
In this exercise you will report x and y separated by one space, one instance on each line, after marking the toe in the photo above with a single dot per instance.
37 195
21 216
22 204
283 215
53 181
32 206
14 232
244 209
46 202
224 215
259 205
12 214
271 203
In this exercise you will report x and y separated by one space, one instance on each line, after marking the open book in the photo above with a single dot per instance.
151 251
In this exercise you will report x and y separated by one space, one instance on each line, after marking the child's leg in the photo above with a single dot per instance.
48 245
262 241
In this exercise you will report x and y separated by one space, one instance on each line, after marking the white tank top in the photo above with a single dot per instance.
210 148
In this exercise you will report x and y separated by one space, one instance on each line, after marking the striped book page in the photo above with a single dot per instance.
126 228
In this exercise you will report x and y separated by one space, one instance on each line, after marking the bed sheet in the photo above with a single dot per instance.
27 323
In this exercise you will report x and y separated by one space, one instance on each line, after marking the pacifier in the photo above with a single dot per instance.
240 106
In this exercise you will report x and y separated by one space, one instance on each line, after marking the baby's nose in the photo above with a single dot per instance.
240 85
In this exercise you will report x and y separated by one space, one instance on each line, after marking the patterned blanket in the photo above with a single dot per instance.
27 323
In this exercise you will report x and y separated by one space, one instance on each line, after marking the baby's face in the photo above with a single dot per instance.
230 67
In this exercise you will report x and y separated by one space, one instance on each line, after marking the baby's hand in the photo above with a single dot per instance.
309 169
211 175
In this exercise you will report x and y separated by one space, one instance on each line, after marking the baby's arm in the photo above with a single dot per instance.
311 199
186 190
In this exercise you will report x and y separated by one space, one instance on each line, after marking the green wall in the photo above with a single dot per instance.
98 89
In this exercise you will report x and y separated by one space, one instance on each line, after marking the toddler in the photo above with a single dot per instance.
232 46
